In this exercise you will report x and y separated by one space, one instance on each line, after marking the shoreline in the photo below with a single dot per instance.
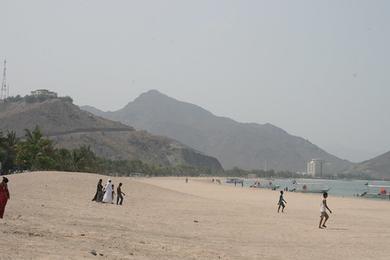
51 216
331 193
208 180
205 180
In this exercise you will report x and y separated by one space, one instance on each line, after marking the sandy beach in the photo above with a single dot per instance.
51 216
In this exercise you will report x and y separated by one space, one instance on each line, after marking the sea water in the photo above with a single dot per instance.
347 188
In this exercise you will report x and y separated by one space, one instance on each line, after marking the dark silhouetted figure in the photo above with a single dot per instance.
99 192
119 193
281 202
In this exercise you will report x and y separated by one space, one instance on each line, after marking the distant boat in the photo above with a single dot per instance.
376 192
310 188
266 185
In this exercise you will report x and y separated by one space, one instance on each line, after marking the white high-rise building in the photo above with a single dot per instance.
315 167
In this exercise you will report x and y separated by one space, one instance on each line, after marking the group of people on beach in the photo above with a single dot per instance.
107 193
323 208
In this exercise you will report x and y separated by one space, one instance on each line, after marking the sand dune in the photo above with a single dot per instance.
51 216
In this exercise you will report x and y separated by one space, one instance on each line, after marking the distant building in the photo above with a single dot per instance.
44 93
315 167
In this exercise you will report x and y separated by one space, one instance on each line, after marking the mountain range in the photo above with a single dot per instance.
378 167
70 127
234 144
203 139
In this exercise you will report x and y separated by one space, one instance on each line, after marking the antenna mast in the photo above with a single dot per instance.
4 86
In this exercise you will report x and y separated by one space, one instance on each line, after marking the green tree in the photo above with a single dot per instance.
8 151
64 160
84 159
35 152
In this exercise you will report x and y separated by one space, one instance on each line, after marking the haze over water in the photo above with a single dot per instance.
341 188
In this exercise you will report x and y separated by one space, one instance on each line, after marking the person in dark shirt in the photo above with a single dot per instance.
281 202
119 193
99 192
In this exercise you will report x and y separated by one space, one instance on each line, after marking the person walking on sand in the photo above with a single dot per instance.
281 202
113 194
4 195
99 192
107 198
119 193
323 209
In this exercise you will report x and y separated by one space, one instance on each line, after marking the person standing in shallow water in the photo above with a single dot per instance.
281 202
323 209
119 193
4 195
99 192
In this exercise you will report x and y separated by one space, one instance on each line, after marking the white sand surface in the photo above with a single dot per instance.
51 216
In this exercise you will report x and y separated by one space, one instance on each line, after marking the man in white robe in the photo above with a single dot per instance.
107 198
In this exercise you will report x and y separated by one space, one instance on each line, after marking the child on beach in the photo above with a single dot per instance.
119 193
113 194
281 202
323 209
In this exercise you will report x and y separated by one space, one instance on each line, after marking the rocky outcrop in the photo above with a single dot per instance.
69 127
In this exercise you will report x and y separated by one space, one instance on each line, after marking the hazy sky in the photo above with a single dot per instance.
318 69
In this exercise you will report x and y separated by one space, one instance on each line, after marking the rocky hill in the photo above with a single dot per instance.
245 145
70 127
378 167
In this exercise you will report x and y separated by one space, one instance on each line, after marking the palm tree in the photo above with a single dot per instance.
84 159
8 151
35 152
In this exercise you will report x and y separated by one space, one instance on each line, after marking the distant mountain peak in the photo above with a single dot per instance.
246 145
152 94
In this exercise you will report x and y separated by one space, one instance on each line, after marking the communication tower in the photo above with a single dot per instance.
4 92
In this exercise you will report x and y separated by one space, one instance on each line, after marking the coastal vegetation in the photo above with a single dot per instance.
34 152
67 126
